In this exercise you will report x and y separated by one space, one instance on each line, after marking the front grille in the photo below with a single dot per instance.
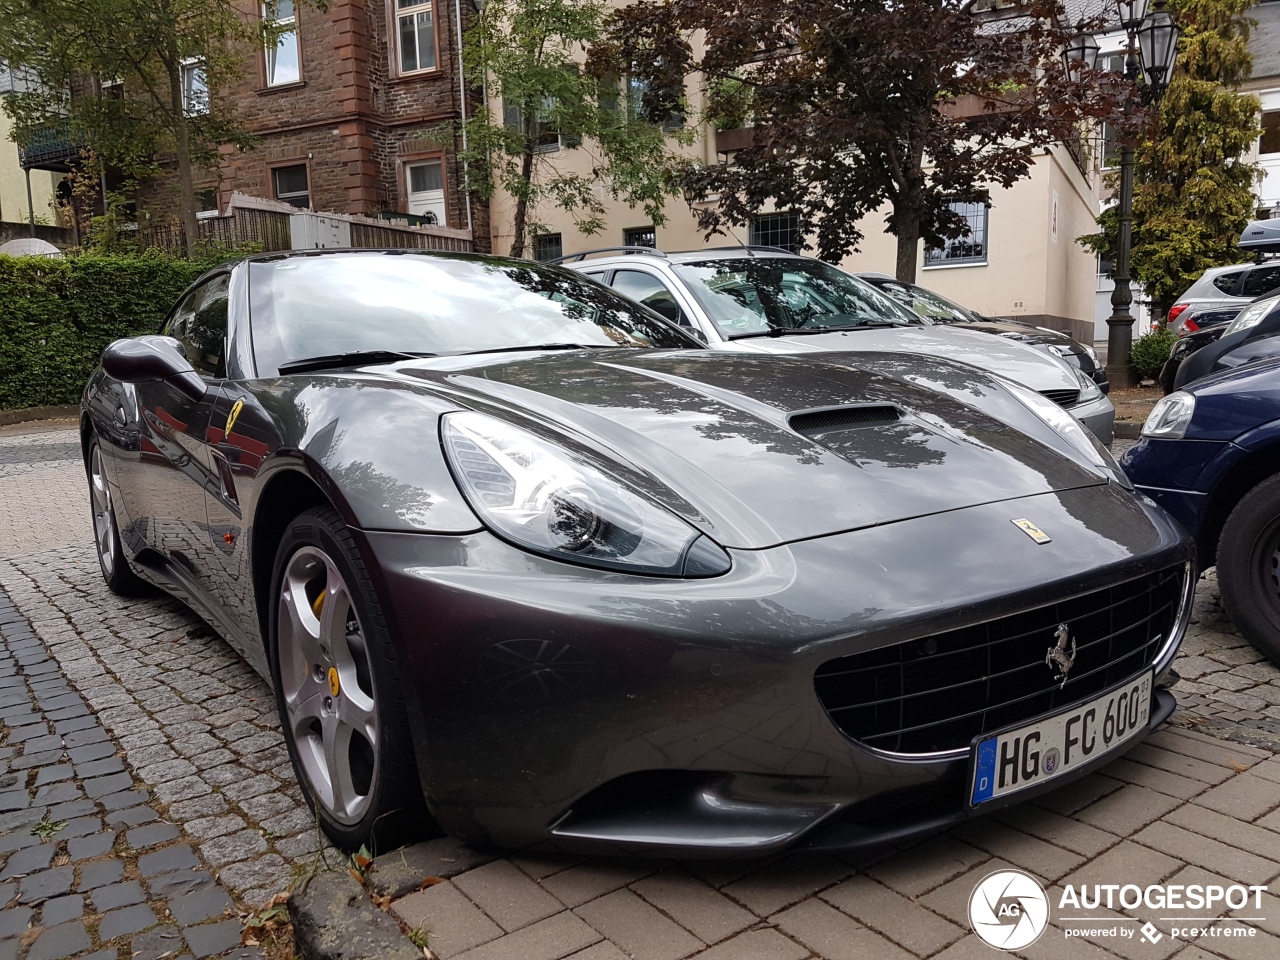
937 693
1063 398
824 421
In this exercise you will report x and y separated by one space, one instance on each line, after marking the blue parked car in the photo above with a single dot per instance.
1210 455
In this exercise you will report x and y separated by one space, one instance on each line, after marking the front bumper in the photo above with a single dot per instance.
1099 416
598 710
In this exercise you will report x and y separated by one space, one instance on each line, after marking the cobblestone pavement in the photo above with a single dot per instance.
198 735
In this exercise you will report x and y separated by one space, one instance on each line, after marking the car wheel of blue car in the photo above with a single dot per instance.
1249 567
335 675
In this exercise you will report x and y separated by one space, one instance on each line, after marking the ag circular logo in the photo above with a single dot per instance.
1009 909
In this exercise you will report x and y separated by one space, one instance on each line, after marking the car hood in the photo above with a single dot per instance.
1021 363
1023 333
716 437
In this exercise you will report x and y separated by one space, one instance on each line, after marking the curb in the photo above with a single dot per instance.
64 411
1127 429
334 919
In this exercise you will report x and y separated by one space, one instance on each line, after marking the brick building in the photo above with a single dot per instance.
355 112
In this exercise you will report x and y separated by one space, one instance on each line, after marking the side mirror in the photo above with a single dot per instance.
695 333
149 359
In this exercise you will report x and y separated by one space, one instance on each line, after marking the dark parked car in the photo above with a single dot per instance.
1210 455
1254 334
508 542
936 308
1182 349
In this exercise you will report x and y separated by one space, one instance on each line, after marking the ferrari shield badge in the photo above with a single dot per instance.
1031 530
231 417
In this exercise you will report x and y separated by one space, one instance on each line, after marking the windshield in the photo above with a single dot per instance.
927 303
439 304
759 296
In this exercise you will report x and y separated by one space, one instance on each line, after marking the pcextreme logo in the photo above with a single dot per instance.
1009 910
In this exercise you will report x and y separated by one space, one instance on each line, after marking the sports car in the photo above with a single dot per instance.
526 563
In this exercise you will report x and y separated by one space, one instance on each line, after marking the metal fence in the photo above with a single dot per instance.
266 229
379 237
271 230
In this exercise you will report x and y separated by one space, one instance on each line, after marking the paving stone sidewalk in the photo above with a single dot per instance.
197 731
1181 808
88 867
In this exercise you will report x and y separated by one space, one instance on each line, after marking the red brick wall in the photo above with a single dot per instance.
348 118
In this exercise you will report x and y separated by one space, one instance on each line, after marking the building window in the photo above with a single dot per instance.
547 246
416 35
425 194
541 132
206 202
970 248
290 185
1270 140
195 90
776 230
282 56
640 237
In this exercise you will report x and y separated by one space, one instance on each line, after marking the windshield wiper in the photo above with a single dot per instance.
803 331
350 359
545 346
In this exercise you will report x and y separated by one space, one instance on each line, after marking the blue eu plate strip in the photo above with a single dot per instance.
984 776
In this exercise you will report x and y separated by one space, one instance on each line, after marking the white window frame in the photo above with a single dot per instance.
396 14
290 166
268 51
190 67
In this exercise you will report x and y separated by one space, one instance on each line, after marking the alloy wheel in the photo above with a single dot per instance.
327 685
104 530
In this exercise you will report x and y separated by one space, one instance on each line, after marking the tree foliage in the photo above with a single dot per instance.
526 54
1193 192
112 72
852 105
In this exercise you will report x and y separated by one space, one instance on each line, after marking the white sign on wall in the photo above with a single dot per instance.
1053 217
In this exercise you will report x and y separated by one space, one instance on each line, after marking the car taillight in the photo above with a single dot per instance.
1175 311
1190 326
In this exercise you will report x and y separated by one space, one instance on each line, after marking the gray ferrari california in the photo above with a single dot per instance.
525 563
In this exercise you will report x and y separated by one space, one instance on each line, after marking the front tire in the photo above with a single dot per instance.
335 675
120 580
1249 567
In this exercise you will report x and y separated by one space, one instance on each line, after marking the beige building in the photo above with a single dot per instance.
13 183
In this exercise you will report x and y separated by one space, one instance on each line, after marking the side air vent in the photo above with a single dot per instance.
843 418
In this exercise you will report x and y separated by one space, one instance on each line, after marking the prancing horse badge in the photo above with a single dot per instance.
1031 530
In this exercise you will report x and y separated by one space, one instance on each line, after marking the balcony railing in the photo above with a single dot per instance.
50 147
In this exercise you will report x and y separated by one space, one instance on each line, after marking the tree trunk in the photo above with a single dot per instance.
908 248
182 147
522 201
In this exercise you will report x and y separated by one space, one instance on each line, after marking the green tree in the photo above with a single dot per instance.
1193 193
525 54
855 105
134 80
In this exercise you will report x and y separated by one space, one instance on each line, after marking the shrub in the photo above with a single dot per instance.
56 316
1150 351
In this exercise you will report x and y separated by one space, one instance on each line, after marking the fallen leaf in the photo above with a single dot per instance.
430 882
1236 765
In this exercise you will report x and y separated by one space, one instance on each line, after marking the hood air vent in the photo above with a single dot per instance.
819 422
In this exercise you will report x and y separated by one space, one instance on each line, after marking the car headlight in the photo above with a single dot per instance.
1092 354
1071 430
1251 316
552 501
1170 417
1089 391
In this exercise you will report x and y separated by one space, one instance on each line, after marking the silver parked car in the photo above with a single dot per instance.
766 300
1221 287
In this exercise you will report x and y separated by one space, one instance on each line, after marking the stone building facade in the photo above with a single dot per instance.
356 112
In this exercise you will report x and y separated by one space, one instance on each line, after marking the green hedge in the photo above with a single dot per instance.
56 316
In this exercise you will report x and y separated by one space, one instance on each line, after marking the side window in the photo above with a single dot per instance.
650 291
1261 280
200 325
1226 281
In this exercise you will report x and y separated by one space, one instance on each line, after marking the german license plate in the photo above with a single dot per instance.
1013 760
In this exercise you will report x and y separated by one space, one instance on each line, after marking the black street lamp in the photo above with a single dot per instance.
1150 50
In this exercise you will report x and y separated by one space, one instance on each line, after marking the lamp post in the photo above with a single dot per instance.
1150 49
